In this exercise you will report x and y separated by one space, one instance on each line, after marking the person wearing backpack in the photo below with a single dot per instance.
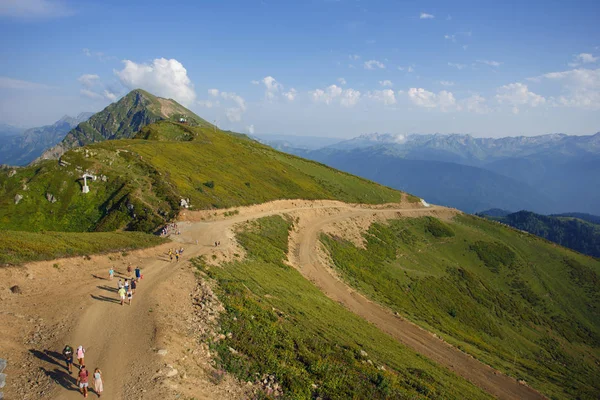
82 381
80 354
68 354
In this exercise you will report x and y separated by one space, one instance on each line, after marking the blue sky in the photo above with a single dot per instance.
314 67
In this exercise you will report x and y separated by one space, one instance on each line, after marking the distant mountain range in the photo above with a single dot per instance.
546 174
575 233
25 146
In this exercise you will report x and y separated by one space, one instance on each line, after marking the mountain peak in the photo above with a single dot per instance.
123 119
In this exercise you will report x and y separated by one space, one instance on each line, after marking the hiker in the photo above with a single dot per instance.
122 294
111 273
68 354
119 284
177 256
170 255
133 285
129 269
181 251
82 380
80 354
138 273
129 296
98 386
126 285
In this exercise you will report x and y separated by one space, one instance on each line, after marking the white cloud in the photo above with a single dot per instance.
446 83
580 87
518 94
350 97
457 66
90 94
426 16
385 96
34 8
88 80
583 58
341 81
109 95
491 63
374 64
475 103
16 84
272 87
255 82
291 94
233 114
444 100
354 57
407 69
334 93
97 54
386 83
165 78
586 58
450 37
250 129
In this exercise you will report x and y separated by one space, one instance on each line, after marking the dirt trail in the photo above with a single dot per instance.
311 264
75 304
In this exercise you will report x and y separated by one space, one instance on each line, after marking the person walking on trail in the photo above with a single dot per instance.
126 285
129 295
138 273
98 385
111 273
82 380
122 294
170 255
177 256
119 284
133 285
80 354
68 355
129 269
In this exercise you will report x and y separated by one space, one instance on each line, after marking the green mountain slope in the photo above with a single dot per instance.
18 247
279 324
567 231
123 119
518 303
140 183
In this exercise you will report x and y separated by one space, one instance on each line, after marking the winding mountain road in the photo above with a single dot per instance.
121 339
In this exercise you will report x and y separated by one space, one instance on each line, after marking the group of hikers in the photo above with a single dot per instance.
127 287
177 253
170 228
83 376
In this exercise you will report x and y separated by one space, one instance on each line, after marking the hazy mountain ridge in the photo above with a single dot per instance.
574 233
31 143
547 174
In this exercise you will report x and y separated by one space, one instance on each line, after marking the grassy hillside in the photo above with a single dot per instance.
514 301
278 323
21 247
567 231
141 182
